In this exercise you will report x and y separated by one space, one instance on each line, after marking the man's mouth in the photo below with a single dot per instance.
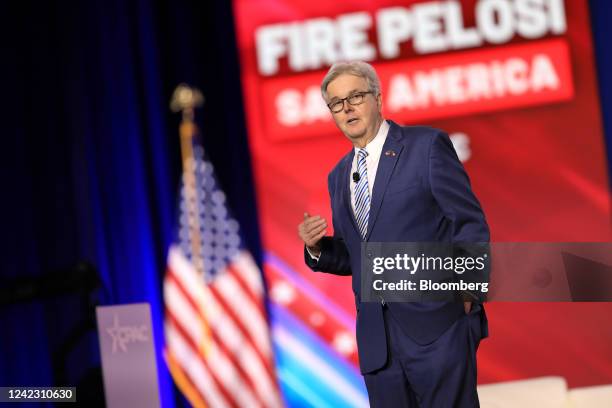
351 121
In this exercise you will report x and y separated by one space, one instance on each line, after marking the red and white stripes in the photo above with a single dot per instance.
217 334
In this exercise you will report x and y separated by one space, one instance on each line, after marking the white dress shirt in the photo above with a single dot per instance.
374 149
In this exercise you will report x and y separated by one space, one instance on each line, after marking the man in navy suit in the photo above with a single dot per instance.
399 184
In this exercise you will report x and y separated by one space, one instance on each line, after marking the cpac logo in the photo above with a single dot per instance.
122 335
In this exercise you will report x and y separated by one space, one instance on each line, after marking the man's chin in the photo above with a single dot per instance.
355 134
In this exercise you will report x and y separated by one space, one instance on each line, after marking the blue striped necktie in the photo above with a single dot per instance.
362 194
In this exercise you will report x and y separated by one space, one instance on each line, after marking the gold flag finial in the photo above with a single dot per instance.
185 99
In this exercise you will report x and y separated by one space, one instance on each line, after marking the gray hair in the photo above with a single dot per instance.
357 68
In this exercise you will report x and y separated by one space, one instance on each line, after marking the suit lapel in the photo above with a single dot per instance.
386 164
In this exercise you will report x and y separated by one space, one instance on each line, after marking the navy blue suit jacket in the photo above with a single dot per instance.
421 194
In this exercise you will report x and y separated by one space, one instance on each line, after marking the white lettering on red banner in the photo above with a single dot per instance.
434 26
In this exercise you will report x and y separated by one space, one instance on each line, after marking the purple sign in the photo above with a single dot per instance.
128 355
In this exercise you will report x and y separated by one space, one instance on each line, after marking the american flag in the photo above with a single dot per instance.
218 345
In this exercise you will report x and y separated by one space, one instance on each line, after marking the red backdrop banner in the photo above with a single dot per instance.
513 82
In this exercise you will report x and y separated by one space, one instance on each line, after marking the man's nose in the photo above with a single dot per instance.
347 106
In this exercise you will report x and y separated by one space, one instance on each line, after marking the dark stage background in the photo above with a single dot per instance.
91 164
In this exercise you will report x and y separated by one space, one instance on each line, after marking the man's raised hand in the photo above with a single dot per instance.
311 230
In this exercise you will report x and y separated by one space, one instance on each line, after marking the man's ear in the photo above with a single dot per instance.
379 101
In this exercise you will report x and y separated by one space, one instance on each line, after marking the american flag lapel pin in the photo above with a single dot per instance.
390 153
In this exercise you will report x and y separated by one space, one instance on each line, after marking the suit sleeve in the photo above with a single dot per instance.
450 186
334 257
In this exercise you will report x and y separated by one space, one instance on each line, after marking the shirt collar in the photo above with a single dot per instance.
374 148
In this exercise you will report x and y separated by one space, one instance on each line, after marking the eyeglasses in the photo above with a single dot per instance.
355 99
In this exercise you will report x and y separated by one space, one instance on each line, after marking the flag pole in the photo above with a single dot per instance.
185 100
